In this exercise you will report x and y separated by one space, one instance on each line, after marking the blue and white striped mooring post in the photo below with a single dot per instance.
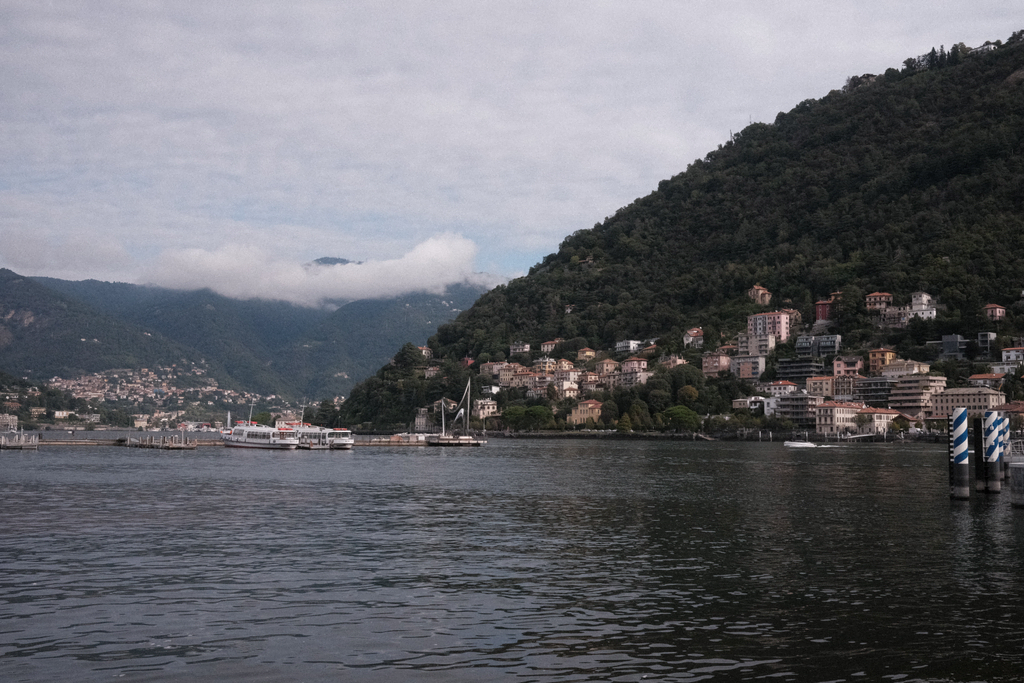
979 454
993 468
959 465
1004 446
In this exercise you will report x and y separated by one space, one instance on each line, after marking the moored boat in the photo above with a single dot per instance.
449 438
255 435
311 437
340 439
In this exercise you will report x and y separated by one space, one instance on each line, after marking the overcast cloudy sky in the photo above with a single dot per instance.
226 144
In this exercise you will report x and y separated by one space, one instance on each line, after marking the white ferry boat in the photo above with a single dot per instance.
255 435
340 439
311 437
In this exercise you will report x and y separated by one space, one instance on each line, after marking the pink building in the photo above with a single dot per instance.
847 365
714 363
634 364
995 312
776 323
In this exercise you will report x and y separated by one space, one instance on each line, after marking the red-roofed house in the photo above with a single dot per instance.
583 411
693 337
832 418
995 312
782 387
878 300
991 380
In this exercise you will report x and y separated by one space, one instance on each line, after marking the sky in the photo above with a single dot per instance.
229 144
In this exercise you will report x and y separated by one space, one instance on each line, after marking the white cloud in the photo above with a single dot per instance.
253 271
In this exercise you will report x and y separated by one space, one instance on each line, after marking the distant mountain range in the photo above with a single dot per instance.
58 327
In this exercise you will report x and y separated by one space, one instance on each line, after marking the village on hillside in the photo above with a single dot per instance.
161 397
824 388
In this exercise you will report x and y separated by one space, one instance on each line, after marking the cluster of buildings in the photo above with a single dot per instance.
166 387
856 399
547 377
162 386
857 395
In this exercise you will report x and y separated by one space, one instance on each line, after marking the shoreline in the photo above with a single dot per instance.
763 437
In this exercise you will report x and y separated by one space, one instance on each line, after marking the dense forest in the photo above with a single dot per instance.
900 182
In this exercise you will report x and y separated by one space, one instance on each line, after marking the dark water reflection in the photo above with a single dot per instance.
527 560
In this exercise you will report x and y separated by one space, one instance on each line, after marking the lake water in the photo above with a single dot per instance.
526 560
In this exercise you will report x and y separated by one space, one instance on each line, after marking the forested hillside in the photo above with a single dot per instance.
43 333
905 181
57 327
910 180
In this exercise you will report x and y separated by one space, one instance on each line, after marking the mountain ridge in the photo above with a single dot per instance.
269 347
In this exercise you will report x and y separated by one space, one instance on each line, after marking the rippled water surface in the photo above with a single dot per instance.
522 560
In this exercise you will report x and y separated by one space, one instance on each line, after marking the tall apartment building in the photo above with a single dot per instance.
747 367
776 323
874 391
797 370
913 395
754 344
798 407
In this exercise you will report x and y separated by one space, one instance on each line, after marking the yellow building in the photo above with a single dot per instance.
878 359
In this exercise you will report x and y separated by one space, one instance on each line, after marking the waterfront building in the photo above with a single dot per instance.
545 365
1014 354
880 420
508 372
992 380
585 410
492 369
799 408
484 408
913 395
781 387
818 345
833 418
975 399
